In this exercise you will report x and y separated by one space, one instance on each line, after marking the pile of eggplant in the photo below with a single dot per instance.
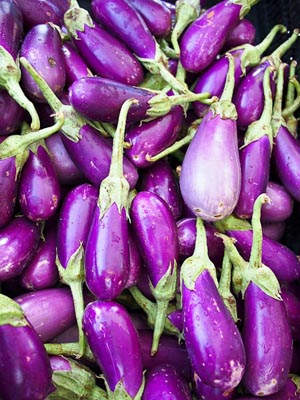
150 189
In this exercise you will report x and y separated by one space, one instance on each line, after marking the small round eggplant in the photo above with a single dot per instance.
164 381
114 342
281 206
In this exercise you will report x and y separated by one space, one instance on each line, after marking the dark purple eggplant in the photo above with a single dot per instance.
152 218
41 272
274 230
115 344
292 306
135 260
49 311
25 372
11 27
281 206
255 155
209 191
75 65
17 255
204 38
213 341
164 381
243 33
105 55
42 47
12 114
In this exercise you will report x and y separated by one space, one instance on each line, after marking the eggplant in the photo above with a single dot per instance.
281 206
210 192
115 344
42 47
18 254
165 381
75 65
274 230
25 372
49 311
12 114
135 260
243 33
105 55
292 306
152 218
207 392
204 38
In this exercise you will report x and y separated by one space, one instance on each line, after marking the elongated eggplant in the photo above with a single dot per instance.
114 342
281 206
11 27
243 33
12 114
209 191
164 380
49 311
25 372
292 306
207 392
75 65
274 230
17 255
135 260
105 55
42 48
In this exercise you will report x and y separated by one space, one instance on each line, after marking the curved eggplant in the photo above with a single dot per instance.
243 33
75 65
281 206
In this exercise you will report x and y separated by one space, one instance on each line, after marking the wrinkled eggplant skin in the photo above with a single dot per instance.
25 371
268 342
17 255
114 342
42 48
12 114
49 311
9 189
204 38
39 188
243 33
281 206
11 26
279 258
75 65
164 381
212 339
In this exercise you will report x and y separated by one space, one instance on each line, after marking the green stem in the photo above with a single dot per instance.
288 111
69 350
246 6
277 118
277 55
225 285
290 95
161 317
230 82
77 294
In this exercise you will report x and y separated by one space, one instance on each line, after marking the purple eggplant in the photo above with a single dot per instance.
84 91
274 230
164 381
105 55
213 341
207 392
75 65
135 260
42 47
292 306
151 218
204 38
115 344
12 114
209 191
161 179
18 254
150 138
11 34
255 155
25 372
281 206
49 311
41 272
243 33
107 250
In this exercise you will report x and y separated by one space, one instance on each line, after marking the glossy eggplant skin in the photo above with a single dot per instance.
114 342
11 26
204 38
207 392
213 341
17 255
9 189
49 311
135 260
12 114
268 342
279 258
244 32
42 47
39 189
25 371
75 65
281 206
164 381
292 306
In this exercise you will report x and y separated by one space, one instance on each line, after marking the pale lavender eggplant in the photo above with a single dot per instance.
41 272
92 154
204 38
207 392
164 381
115 344
281 206
42 47
49 311
66 170
160 178
243 33
268 342
278 257
17 255
12 114
11 26
157 16
170 351
25 372
105 55
75 65
274 230
292 306
213 341
9 189
39 188
135 260
150 138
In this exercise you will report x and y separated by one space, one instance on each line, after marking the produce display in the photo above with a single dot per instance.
149 212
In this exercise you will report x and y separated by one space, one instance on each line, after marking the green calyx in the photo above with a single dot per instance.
120 393
246 6
75 19
11 312
232 223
